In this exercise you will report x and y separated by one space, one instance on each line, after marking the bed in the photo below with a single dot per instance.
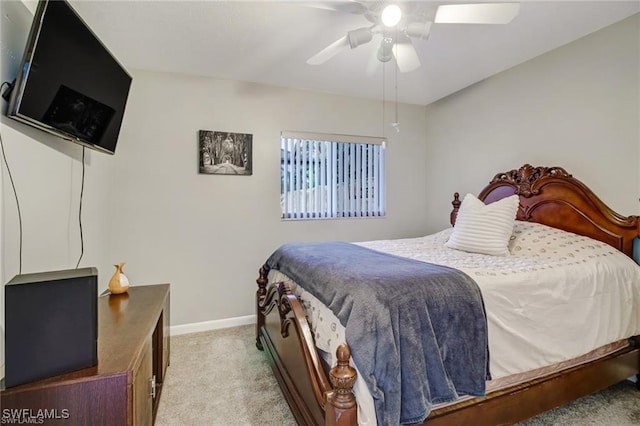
318 394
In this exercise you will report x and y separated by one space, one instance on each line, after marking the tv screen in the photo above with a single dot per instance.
70 84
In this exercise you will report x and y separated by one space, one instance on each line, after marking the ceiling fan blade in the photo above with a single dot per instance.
481 13
329 52
345 6
405 54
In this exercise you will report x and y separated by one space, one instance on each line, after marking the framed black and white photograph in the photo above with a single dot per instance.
224 153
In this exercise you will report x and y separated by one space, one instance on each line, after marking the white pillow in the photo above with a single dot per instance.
484 228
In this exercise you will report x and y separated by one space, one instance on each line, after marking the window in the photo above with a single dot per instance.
328 176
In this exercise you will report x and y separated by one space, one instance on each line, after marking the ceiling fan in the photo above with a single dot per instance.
401 21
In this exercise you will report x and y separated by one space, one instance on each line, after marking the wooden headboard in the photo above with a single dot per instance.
551 196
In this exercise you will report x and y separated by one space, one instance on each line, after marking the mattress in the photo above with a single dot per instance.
557 297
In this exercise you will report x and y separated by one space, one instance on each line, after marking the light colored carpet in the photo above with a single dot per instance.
220 378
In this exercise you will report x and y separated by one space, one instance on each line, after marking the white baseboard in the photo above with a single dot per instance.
196 327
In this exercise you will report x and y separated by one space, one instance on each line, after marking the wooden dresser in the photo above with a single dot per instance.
124 388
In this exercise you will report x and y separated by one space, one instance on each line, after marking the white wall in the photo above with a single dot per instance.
47 173
576 107
208 234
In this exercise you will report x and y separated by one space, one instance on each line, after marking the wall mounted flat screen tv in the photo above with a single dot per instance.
69 84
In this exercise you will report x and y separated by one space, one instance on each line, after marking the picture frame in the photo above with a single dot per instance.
225 153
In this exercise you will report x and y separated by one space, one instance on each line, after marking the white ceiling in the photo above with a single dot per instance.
270 41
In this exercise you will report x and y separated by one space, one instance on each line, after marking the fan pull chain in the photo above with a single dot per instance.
396 123
383 98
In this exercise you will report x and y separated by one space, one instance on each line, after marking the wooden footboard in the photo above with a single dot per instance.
282 331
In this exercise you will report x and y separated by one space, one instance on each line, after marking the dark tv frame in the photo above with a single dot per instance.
19 85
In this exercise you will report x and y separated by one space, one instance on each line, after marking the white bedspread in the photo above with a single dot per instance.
557 296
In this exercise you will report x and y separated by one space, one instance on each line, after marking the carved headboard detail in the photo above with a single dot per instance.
525 178
551 196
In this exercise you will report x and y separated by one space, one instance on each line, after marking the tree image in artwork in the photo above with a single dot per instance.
225 153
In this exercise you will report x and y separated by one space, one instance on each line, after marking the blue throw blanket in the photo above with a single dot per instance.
417 331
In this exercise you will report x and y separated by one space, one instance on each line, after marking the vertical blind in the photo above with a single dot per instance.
329 176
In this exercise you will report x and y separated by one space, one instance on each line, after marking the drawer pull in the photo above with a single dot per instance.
153 386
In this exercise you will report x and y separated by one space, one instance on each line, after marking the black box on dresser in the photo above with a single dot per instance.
51 324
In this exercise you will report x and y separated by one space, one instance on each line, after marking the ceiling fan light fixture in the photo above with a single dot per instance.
391 15
385 51
359 36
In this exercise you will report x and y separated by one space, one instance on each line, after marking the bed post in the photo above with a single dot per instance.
456 206
341 407
262 291
635 342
